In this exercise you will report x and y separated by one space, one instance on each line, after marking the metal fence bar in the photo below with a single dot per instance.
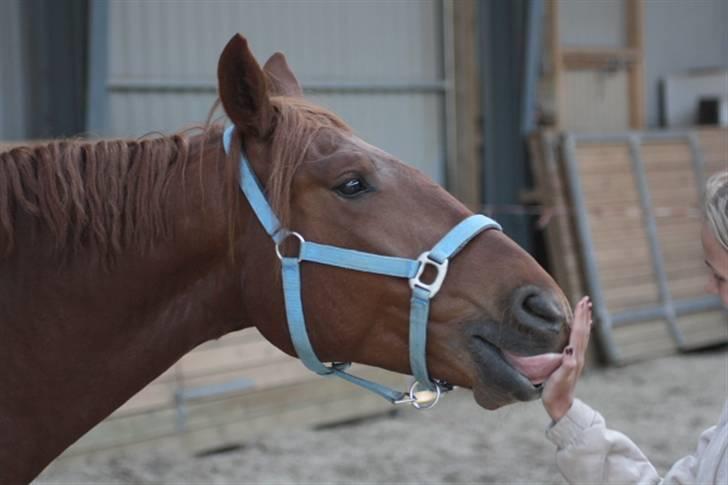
182 395
210 87
656 257
590 268
534 35
698 164
622 137
682 308
449 101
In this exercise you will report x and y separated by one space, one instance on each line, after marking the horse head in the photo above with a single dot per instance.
496 309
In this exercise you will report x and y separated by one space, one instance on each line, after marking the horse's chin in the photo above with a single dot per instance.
498 383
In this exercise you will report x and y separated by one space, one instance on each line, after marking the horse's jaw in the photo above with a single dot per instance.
502 376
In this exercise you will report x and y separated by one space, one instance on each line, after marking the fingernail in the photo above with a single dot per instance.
569 350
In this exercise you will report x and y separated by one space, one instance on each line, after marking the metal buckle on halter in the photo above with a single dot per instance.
425 399
424 259
285 234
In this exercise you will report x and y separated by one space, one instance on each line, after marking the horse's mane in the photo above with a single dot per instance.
107 195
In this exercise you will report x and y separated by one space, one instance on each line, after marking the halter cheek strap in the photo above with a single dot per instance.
438 258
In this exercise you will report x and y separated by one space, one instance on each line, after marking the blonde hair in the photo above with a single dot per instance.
716 206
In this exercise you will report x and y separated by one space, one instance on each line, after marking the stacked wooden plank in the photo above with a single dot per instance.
277 391
638 253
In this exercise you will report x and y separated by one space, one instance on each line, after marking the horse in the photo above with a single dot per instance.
117 257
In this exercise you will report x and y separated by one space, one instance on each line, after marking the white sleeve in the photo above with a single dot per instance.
589 452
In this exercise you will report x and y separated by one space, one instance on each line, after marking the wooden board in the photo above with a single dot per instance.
241 417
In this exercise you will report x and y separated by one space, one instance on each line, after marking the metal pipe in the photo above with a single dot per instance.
682 308
656 257
623 137
698 165
590 268
96 93
182 395
534 35
450 106
210 87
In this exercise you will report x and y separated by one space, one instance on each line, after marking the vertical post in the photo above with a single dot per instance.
534 33
578 202
635 40
698 165
658 267
464 179
505 172
96 93
557 64
450 116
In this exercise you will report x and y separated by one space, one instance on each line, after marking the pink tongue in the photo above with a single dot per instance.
537 367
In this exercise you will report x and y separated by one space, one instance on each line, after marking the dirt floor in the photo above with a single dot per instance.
663 405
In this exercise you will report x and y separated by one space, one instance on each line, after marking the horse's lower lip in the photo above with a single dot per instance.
496 371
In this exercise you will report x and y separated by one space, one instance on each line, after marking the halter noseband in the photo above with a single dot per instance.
438 257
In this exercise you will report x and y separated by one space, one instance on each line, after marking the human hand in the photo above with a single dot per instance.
558 390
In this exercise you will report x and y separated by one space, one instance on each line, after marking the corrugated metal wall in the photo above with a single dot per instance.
377 64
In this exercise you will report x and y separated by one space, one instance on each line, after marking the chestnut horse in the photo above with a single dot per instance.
118 257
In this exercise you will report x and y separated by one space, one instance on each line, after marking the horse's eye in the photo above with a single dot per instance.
352 188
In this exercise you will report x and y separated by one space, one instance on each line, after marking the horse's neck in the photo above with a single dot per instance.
77 342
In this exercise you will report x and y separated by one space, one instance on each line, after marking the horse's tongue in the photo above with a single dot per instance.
536 367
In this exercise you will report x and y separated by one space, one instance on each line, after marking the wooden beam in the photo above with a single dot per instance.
464 173
575 58
635 42
557 63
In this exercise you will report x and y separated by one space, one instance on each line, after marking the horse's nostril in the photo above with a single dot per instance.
535 306
541 307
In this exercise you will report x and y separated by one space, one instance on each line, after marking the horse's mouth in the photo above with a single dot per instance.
506 374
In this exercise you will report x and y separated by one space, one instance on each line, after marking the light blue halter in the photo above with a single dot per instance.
411 269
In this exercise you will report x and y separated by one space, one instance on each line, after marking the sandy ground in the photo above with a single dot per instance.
663 405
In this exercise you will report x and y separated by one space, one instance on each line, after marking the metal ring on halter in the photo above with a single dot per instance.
413 399
286 234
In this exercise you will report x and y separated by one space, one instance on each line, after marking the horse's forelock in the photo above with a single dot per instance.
297 124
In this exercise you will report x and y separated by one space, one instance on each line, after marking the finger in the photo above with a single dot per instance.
580 334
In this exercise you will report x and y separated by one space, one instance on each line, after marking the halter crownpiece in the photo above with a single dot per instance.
438 257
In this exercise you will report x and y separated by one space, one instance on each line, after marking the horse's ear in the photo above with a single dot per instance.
283 81
243 89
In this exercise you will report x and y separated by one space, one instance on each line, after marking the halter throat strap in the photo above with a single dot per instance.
438 257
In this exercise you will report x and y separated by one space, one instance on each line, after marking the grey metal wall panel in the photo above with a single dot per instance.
12 87
377 64
409 126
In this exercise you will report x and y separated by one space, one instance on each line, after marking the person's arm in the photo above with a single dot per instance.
588 451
